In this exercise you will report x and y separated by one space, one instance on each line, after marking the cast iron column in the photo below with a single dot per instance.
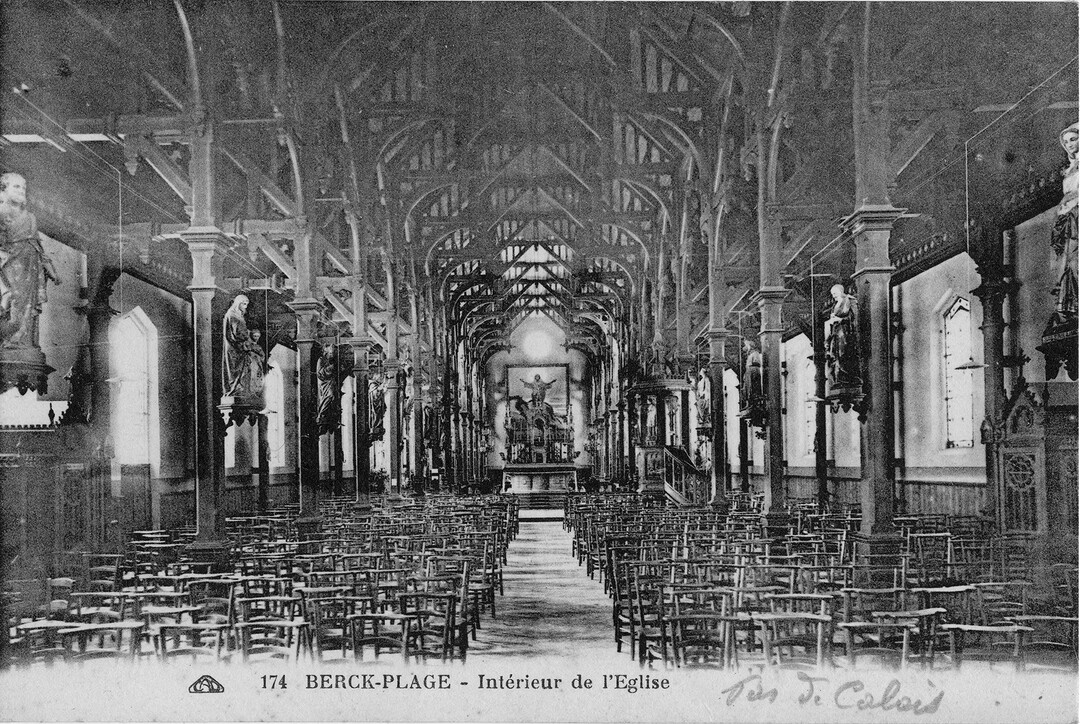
307 314
208 246
361 430
995 288
721 472
871 227
262 462
770 301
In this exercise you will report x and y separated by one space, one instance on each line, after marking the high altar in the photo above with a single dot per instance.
539 436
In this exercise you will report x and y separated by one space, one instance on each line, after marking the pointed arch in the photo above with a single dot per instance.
133 351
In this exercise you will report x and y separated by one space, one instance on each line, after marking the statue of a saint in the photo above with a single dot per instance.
25 270
539 390
329 415
751 388
703 393
1064 236
841 349
376 409
429 426
671 404
650 421
242 355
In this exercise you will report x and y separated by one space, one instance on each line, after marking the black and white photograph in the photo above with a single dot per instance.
531 361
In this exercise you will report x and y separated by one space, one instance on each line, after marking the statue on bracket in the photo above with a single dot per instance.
752 388
1059 338
326 372
376 408
243 359
650 437
703 394
429 426
1064 236
25 272
25 269
842 350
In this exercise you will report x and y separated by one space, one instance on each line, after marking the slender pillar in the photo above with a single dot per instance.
621 451
633 431
466 447
361 430
99 316
208 247
456 478
871 227
392 367
416 448
337 461
995 288
821 454
307 314
393 428
683 398
744 455
718 424
770 301
262 462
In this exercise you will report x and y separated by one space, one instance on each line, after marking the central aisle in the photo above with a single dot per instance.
551 609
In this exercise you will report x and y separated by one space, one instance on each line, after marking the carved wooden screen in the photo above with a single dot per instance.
1062 484
1021 467
1021 470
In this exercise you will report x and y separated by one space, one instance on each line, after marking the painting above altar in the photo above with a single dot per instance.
539 423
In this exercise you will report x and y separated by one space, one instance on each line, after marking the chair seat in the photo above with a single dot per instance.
273 623
875 625
1005 628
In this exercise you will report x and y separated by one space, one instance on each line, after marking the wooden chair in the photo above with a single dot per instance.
197 641
878 623
651 628
701 626
273 627
329 620
432 634
1051 644
796 640
102 640
623 609
993 643
379 631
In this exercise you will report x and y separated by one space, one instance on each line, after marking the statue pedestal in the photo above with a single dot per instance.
24 368
236 410
1059 345
845 398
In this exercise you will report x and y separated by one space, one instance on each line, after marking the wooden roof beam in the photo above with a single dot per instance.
173 175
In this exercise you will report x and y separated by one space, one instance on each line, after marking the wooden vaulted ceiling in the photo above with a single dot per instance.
516 159
544 169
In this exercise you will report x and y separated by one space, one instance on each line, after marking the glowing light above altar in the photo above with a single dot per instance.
537 344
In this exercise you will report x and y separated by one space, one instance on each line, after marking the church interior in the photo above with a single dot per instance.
322 322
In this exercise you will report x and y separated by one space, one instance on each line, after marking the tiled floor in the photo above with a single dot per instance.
551 608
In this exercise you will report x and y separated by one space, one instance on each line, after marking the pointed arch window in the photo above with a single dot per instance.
347 411
959 423
274 389
133 342
809 384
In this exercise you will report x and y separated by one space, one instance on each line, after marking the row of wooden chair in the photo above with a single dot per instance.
693 586
410 578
